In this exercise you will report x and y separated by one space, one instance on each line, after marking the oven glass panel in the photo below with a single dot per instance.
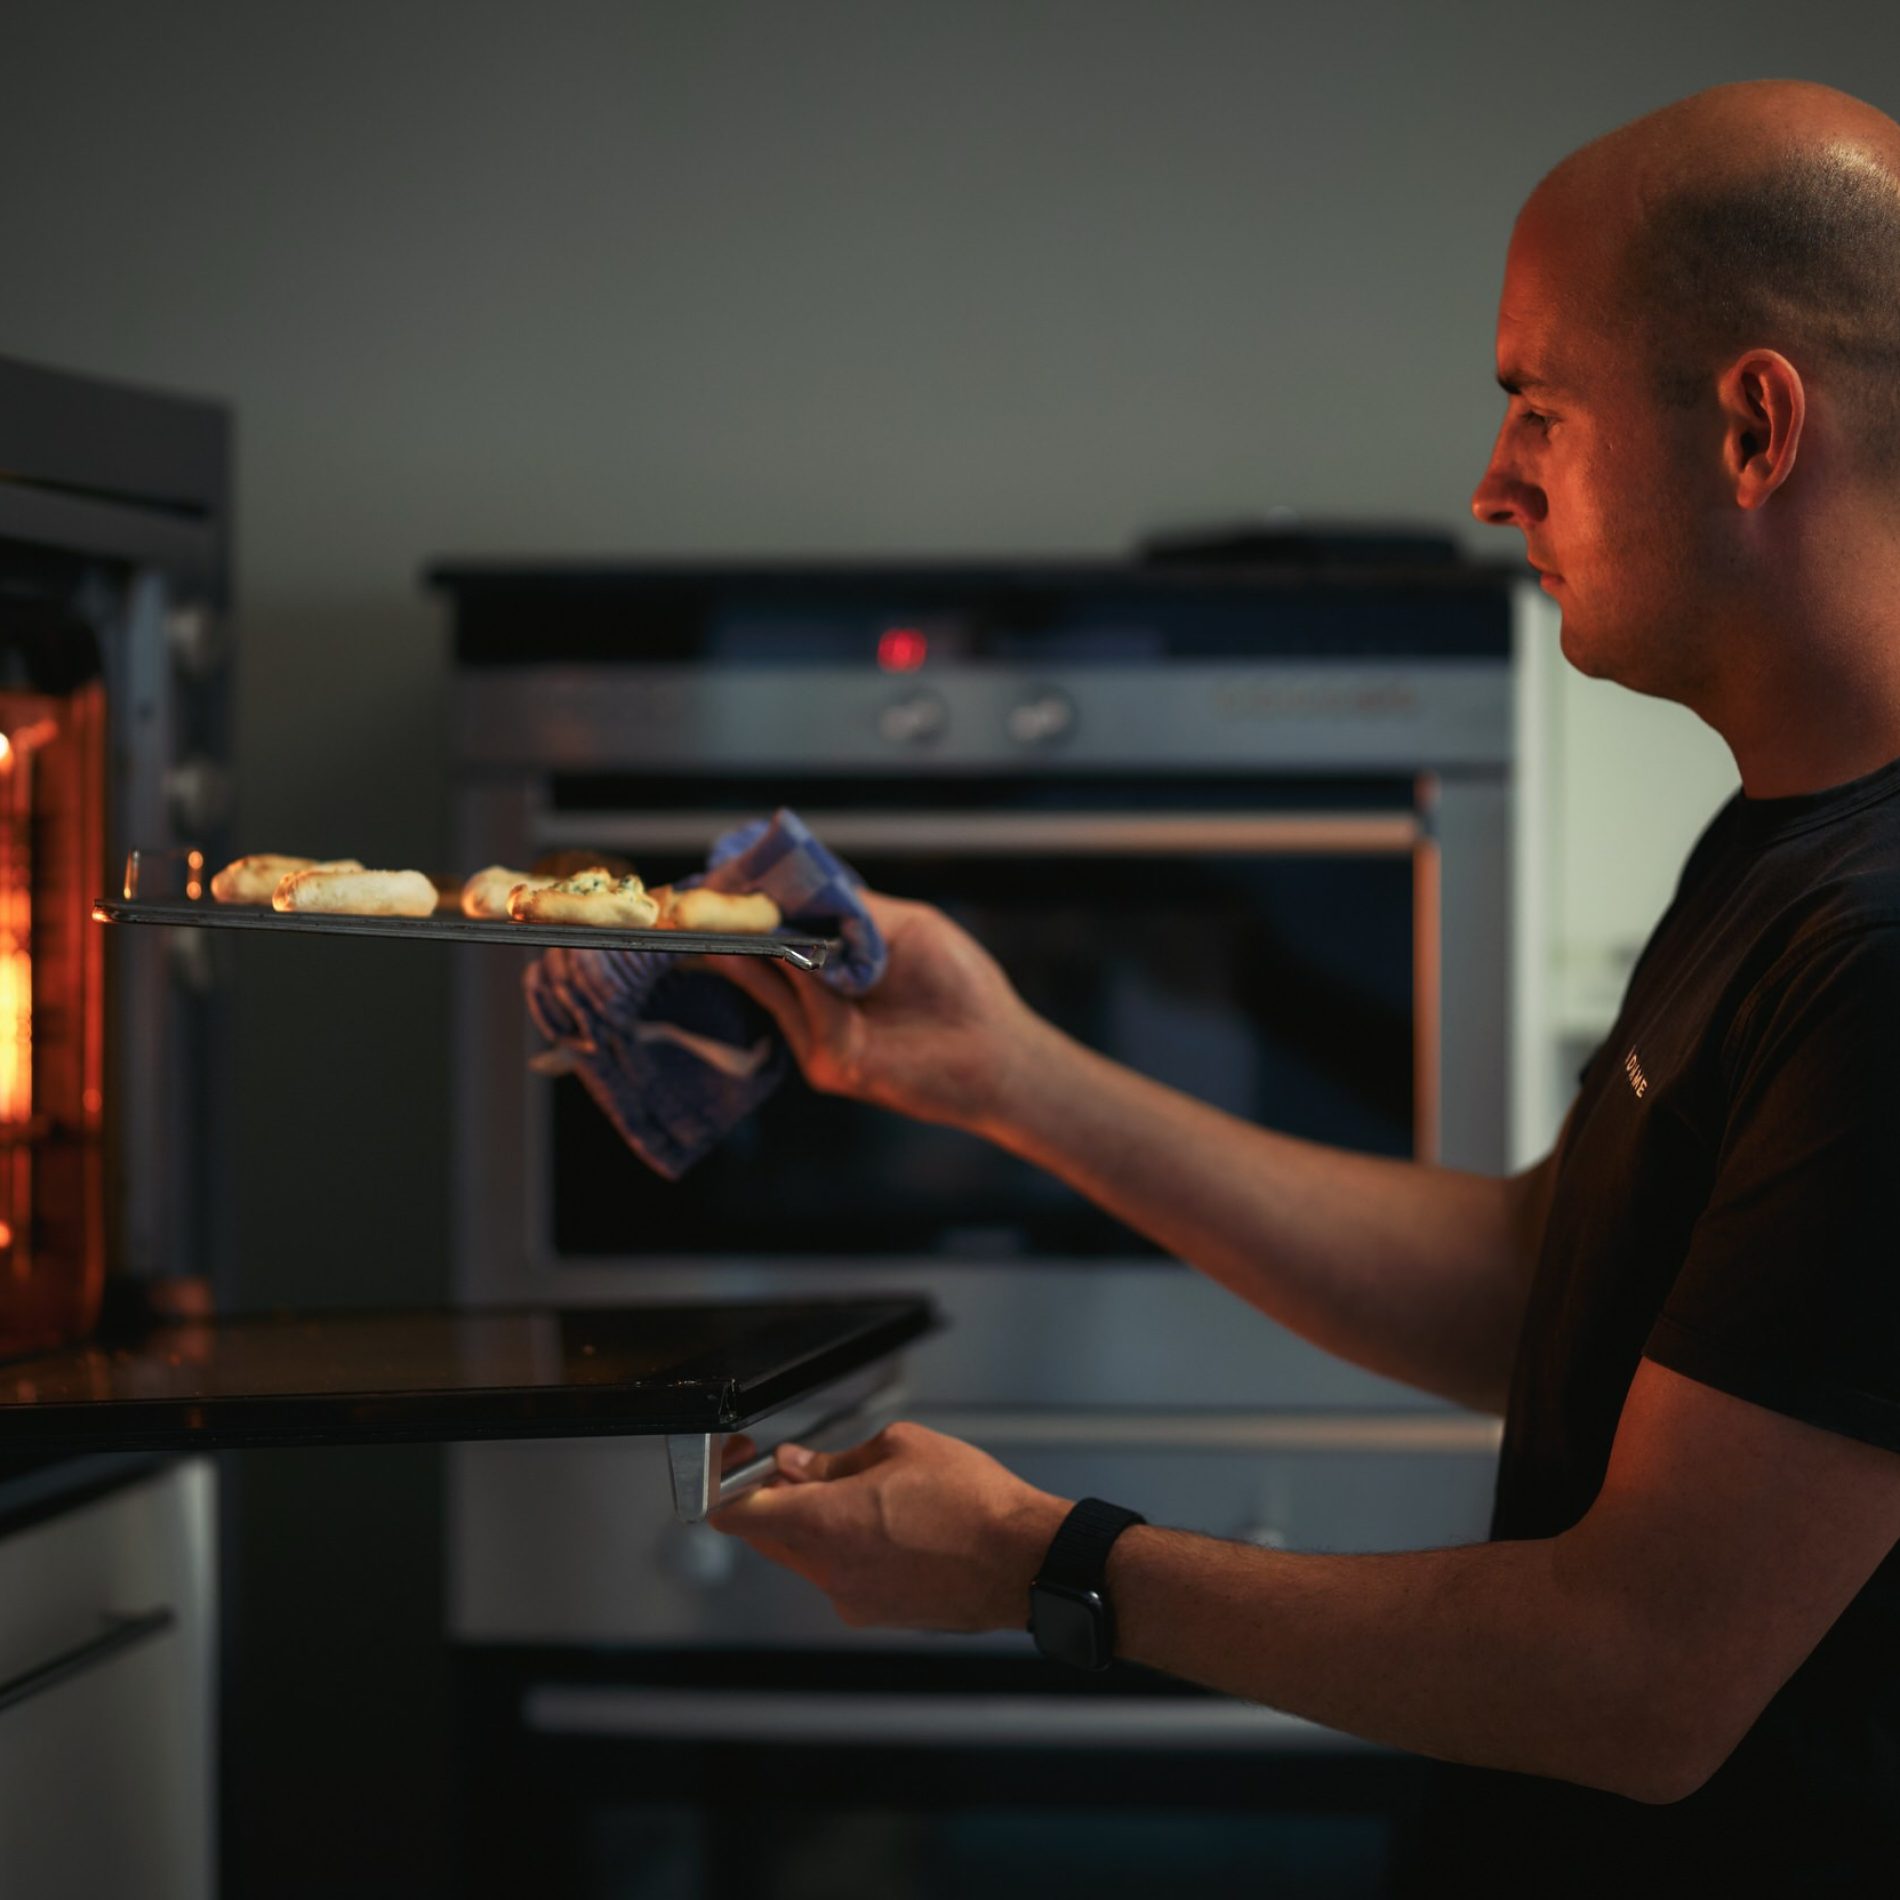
52 1195
1277 987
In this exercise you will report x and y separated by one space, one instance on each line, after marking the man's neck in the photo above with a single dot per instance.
1813 698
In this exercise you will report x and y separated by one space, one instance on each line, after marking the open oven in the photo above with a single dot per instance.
113 715
1250 832
117 1334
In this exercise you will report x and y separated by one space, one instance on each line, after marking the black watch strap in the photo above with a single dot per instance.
1078 1553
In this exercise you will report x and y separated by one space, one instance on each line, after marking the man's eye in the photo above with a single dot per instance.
1536 418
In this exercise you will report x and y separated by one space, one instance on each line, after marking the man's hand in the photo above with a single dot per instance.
910 1530
939 1038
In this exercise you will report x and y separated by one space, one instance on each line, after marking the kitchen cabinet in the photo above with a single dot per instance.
107 1665
1614 790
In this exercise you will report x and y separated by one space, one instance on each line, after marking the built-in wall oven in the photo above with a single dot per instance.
1250 832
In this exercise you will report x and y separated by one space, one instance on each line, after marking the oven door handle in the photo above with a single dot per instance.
119 1634
1014 834
693 1459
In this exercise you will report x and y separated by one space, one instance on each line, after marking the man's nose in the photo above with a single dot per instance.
1503 500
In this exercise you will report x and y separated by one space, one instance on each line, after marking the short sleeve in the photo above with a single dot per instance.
1790 1293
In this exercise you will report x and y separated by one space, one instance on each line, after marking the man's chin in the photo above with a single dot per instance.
1584 653
1628 663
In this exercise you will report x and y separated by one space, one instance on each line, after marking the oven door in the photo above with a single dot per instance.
1270 964
691 1376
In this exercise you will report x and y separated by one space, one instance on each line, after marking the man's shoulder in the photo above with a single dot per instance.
1834 982
1815 895
1850 914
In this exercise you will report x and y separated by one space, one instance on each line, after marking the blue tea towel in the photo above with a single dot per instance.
676 1057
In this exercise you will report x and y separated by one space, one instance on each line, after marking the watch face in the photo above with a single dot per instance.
1071 1626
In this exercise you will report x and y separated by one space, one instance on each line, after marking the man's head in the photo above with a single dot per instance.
1691 306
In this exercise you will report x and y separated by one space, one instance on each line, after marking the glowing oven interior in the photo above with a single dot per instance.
52 1011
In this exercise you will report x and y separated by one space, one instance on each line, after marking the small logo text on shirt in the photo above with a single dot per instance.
1634 1070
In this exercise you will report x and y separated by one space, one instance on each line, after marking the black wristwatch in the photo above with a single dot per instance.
1070 1615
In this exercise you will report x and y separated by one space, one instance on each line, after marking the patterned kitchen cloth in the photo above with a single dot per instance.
677 1058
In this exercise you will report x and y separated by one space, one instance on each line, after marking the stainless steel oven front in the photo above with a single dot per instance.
1282 875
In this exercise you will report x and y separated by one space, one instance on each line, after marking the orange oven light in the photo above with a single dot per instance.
16 940
16 1024
16 909
53 1238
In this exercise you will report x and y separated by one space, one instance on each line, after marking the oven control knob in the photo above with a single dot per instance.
1041 719
916 719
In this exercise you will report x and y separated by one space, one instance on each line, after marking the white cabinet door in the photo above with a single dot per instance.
1613 790
106 1661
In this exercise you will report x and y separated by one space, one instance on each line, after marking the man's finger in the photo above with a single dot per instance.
738 1450
789 1514
807 1467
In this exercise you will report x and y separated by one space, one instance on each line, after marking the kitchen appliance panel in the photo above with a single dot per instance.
1432 714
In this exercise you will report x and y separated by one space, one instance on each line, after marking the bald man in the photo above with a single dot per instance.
1680 1653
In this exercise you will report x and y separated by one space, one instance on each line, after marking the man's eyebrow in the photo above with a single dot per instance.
1514 382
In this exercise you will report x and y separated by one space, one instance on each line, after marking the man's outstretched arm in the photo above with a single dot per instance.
1630 1653
1415 1272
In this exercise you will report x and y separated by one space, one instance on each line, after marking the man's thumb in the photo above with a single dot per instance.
800 1465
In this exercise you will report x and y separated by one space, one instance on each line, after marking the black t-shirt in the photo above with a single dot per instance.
1728 1204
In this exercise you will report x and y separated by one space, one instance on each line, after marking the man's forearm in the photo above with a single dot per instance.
1508 1655
1414 1272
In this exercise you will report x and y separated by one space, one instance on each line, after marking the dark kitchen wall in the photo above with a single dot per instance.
619 278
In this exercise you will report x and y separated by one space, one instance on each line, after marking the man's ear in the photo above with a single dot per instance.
1764 409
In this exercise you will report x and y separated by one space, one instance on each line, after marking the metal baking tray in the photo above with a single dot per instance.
195 911
804 953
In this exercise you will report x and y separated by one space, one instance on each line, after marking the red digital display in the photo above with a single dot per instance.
901 649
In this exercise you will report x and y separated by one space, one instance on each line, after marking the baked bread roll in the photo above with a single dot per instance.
588 897
748 913
485 895
357 893
252 880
